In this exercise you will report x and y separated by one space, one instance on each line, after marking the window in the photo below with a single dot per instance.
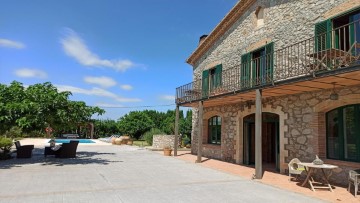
257 67
211 79
259 16
341 32
214 129
343 133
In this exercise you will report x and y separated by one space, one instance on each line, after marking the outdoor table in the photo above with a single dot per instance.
332 54
310 169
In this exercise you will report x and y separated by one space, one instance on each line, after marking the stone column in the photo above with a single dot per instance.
200 132
258 136
176 130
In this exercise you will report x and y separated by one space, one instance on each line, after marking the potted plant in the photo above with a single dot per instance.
5 146
167 151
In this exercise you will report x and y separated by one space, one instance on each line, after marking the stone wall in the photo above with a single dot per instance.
303 134
161 141
286 22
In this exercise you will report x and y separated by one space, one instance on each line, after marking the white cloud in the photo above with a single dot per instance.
102 81
96 92
167 97
30 73
75 47
11 44
126 87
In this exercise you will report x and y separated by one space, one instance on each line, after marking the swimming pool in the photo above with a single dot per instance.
68 140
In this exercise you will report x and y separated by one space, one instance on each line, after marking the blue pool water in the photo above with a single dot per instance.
68 140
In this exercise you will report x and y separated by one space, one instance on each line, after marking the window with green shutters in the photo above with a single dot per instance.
245 70
257 67
343 133
269 60
323 35
340 32
211 79
205 83
214 130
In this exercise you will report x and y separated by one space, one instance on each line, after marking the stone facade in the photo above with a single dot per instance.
301 134
302 116
286 22
161 141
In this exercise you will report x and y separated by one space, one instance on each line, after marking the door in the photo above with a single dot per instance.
270 140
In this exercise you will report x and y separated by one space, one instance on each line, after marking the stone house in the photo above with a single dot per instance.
280 78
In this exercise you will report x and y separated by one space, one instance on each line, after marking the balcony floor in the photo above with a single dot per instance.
344 77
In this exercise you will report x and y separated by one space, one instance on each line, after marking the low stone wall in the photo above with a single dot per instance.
160 141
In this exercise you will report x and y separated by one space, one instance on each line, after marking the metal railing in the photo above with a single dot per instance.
335 49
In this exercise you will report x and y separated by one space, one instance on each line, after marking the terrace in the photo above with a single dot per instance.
321 62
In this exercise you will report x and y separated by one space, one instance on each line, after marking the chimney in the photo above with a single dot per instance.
202 38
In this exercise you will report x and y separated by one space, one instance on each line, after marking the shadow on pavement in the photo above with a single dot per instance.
82 158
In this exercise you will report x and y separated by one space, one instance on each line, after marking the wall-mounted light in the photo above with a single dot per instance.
334 95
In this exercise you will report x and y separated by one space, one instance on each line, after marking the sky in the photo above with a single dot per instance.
119 55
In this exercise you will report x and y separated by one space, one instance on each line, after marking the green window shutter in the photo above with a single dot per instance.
205 83
218 76
352 33
245 70
269 53
323 35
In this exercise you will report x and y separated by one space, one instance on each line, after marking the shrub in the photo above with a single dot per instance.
186 140
148 136
36 133
5 145
14 132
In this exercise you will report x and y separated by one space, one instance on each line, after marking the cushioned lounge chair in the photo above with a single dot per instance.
23 151
67 150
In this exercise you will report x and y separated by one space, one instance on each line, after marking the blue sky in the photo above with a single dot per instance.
108 53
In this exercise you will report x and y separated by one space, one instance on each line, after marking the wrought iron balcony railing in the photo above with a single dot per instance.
327 51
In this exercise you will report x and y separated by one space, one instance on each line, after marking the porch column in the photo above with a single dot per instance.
258 136
176 130
200 134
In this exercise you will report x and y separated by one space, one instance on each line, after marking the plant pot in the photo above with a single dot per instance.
118 141
113 140
130 142
167 152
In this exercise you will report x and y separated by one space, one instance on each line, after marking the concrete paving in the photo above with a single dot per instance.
109 173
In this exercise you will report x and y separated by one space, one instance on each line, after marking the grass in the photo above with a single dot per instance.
140 143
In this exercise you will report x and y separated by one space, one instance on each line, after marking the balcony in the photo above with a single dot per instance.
317 63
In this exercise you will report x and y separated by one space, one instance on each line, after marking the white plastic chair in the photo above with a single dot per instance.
354 178
295 168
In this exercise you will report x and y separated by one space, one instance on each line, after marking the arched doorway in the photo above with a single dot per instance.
270 140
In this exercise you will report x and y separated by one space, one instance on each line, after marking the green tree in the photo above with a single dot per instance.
135 124
156 116
185 124
103 128
39 105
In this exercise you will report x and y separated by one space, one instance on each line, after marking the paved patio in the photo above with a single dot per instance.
106 173
340 193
